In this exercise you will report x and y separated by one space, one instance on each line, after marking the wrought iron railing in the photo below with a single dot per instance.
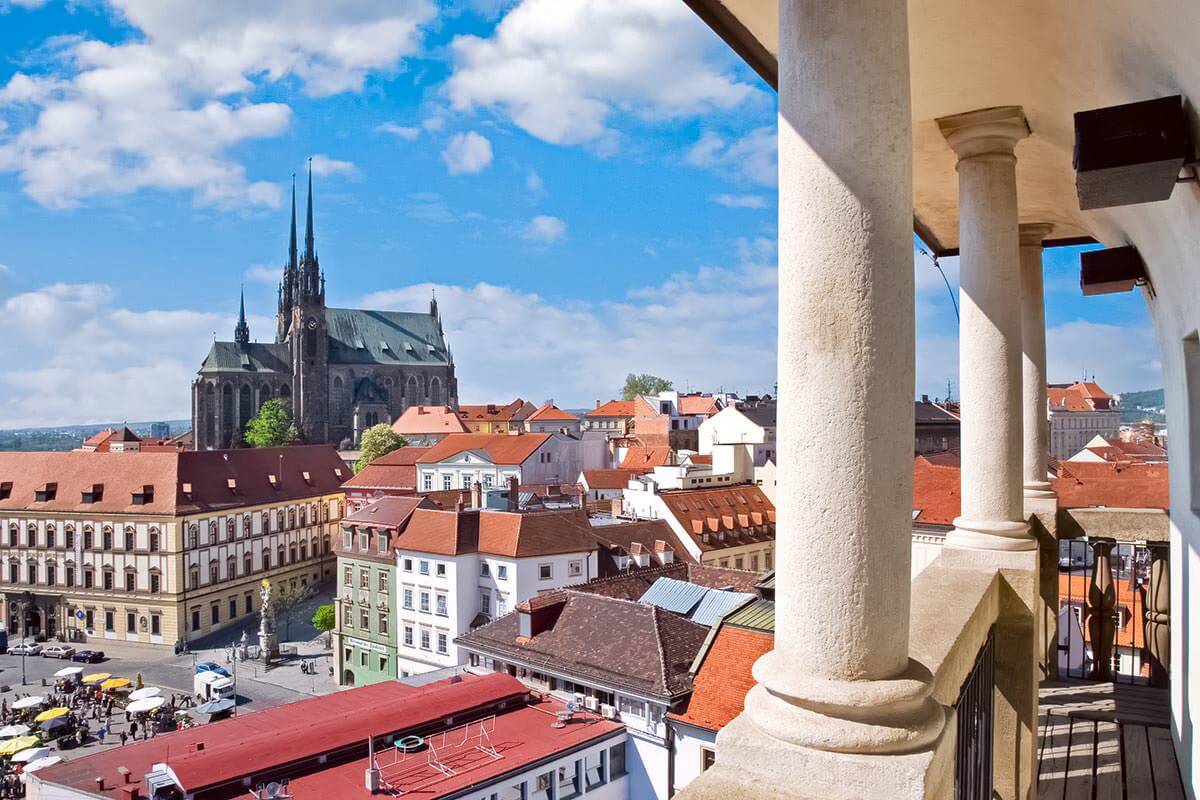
976 725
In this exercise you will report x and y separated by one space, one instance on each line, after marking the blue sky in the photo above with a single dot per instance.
588 184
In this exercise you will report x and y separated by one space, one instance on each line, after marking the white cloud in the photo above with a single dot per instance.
1123 358
741 200
163 110
545 229
434 123
712 327
25 4
408 134
467 153
323 165
751 158
262 273
134 364
560 70
533 182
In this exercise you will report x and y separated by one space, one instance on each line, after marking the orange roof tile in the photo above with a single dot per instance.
608 478
613 408
936 491
516 410
551 412
501 448
1084 484
719 512
698 404
396 470
644 459
424 420
720 686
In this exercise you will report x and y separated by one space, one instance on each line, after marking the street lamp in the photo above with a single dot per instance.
26 599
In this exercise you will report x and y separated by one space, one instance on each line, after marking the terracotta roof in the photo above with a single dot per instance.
696 458
124 435
386 512
512 412
396 470
644 459
97 437
620 643
613 408
654 535
501 448
206 757
724 516
632 584
183 482
426 420
608 478
1084 484
720 685
524 534
936 491
698 404
1078 396
552 413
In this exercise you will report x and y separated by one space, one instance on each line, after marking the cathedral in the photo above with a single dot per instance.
341 370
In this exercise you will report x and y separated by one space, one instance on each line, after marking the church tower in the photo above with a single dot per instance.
241 332
308 334
284 314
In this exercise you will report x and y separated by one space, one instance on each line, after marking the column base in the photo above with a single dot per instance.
990 535
753 765
1039 490
894 715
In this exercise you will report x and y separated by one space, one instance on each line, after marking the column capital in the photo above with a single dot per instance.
1034 233
985 132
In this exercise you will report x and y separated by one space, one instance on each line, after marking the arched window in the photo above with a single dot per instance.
212 531
226 415
292 553
231 527
230 568
70 537
210 416
412 391
304 551
88 538
51 535
130 537
285 394
31 534
154 543
435 392
266 559
245 405
279 520
194 536
339 400
264 394
247 564
280 555
14 535
155 580
107 538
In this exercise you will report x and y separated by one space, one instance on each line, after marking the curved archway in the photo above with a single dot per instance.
226 414
210 416
435 392
245 406
264 394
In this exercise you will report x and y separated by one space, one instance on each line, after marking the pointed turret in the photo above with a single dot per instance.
241 333
293 257
310 250
433 309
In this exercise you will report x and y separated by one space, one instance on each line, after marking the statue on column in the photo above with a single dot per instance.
267 643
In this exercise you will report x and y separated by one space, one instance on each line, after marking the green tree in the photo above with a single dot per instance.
272 426
286 600
378 440
324 620
644 384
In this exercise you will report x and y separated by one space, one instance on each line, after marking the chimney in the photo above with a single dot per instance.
514 497
476 495
597 404
458 504
924 398
373 778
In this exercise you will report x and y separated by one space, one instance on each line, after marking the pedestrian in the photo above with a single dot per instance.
133 728
124 738
100 734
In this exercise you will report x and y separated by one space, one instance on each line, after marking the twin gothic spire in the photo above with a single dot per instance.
303 281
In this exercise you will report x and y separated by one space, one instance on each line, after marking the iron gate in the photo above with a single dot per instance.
976 719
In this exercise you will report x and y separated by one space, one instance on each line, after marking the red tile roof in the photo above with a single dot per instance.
396 470
720 685
515 411
503 533
206 473
698 404
552 413
1079 396
724 516
1084 484
608 478
428 420
614 408
644 459
501 448
936 491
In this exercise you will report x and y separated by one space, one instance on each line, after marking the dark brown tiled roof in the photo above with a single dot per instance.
183 482
618 643
632 585
386 512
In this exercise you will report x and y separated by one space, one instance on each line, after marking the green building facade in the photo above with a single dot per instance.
365 634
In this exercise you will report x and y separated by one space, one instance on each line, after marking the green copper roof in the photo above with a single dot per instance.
357 336
758 615
255 358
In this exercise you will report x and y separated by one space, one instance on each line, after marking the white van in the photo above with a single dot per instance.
211 686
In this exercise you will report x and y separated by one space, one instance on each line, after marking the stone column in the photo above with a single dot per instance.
989 345
839 679
1158 613
1036 426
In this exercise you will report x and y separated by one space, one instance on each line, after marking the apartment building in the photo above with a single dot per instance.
463 459
1079 412
158 548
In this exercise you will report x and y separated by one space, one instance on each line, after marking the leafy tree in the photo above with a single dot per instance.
644 384
324 619
272 426
378 440
286 600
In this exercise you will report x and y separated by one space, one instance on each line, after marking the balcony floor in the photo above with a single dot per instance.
1105 741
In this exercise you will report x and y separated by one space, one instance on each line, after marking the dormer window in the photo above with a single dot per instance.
187 491
6 489
93 494
273 480
307 478
231 483
47 492
337 472
146 494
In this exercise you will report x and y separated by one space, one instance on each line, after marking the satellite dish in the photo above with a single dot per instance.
273 789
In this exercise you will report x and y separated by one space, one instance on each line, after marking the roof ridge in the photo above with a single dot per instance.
662 652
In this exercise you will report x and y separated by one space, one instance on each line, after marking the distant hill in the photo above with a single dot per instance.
69 437
1137 406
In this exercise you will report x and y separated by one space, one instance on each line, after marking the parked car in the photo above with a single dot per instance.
208 666
24 649
57 651
88 656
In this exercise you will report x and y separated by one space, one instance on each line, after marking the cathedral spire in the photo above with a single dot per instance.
292 257
310 250
241 333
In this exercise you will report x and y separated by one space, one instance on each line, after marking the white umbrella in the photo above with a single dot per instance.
38 763
31 754
29 702
69 672
142 694
9 731
145 704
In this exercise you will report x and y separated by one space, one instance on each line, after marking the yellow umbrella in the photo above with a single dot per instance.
53 713
14 746
96 677
115 683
